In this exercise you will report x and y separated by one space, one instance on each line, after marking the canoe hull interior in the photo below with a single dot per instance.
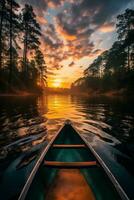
94 176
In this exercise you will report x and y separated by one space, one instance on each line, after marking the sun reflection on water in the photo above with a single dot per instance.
28 123
59 108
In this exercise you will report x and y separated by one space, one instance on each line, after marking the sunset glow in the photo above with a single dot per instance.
74 33
66 84
57 83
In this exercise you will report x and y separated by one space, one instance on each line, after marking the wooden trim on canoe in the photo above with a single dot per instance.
100 161
69 146
69 164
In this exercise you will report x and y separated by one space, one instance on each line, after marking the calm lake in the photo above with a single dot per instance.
28 123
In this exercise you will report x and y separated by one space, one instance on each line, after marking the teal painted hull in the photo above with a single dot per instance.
99 179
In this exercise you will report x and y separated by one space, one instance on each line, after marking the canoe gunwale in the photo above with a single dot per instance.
27 185
36 167
116 184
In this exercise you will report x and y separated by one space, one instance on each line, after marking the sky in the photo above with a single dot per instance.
74 33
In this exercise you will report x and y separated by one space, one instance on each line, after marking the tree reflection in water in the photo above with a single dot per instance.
28 123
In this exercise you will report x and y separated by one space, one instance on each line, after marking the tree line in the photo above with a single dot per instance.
22 64
114 68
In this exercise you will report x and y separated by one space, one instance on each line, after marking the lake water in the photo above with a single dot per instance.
28 123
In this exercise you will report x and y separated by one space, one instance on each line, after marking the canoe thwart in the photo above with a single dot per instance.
69 164
69 146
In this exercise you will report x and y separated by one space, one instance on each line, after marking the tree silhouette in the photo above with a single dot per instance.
125 30
19 26
32 31
114 68
41 66
12 18
2 14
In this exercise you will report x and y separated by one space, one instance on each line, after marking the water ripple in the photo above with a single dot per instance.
27 124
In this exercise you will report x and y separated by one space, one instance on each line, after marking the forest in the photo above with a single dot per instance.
22 64
113 70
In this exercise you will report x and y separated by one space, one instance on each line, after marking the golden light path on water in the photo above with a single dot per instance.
28 123
100 122
58 108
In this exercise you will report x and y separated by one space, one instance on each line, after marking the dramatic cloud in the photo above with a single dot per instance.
107 27
41 20
64 33
75 29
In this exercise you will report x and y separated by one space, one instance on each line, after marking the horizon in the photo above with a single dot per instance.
59 60
74 34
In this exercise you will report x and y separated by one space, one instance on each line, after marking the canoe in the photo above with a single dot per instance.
70 169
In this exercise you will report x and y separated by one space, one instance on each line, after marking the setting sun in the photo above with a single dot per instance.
57 83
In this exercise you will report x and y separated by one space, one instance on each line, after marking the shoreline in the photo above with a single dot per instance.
109 94
19 94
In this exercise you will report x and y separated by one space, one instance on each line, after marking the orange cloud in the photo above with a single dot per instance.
64 33
55 4
105 28
41 20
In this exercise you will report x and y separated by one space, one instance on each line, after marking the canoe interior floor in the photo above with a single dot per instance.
69 184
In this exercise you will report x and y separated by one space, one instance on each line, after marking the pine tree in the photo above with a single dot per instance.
125 30
32 31
12 7
2 17
41 66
